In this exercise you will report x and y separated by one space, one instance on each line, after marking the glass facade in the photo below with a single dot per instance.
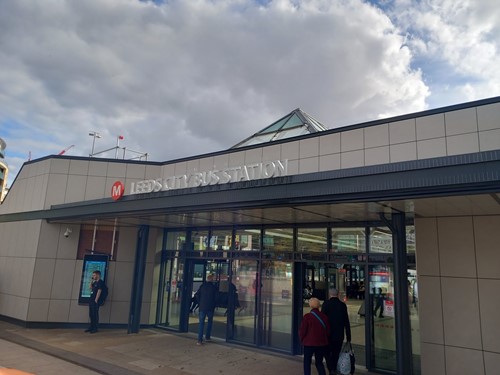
275 270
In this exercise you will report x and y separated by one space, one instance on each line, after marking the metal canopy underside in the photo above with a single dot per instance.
337 214
448 186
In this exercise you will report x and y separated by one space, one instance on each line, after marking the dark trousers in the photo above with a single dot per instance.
332 357
93 314
319 353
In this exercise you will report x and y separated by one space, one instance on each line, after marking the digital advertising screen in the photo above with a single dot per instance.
91 263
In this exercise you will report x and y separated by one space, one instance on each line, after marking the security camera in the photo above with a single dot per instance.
67 232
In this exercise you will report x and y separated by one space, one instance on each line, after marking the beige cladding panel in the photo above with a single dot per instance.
431 148
42 278
461 361
272 152
309 165
236 159
377 155
402 131
429 127
351 140
117 170
56 189
134 171
456 247
487 243
98 168
253 156
329 144
309 147
352 159
430 310
461 318
488 117
290 150
62 283
403 152
491 363
79 167
461 122
95 188
75 189
38 310
462 144
58 310
489 140
490 314
376 136
59 166
432 359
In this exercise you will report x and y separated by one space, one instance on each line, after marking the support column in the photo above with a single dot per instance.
134 319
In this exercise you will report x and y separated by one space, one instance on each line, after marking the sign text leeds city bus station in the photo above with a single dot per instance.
250 172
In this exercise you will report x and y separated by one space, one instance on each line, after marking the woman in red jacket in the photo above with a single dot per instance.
313 334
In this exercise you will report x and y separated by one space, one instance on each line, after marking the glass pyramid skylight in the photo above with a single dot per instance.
294 124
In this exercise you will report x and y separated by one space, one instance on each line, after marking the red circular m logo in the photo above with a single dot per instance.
117 190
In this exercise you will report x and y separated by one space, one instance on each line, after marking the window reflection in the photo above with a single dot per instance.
348 240
221 240
278 239
199 240
380 240
312 239
247 240
410 239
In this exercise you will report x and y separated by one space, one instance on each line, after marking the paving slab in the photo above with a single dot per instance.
151 351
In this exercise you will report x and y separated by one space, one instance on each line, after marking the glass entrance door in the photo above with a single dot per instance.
244 277
381 313
171 275
349 280
220 271
276 305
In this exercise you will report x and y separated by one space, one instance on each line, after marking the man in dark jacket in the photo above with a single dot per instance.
336 311
313 333
207 296
96 286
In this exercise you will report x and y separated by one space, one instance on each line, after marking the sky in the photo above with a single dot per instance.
178 78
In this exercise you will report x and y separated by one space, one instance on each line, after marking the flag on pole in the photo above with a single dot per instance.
120 137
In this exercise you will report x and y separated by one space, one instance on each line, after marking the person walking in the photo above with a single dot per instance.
207 296
379 303
96 287
313 333
336 311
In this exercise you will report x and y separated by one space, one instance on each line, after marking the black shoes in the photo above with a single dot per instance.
91 330
88 330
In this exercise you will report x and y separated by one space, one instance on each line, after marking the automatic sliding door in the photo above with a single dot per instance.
276 305
381 313
245 275
170 296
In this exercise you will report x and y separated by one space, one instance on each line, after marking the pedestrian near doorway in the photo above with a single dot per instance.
338 318
207 297
379 303
313 333
96 287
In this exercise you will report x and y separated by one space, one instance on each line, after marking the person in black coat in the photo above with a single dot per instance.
336 311
96 286
207 297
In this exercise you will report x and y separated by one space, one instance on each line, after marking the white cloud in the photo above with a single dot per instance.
189 77
461 35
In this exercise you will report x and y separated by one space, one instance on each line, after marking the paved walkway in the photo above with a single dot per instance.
151 351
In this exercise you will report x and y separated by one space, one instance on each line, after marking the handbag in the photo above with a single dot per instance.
347 361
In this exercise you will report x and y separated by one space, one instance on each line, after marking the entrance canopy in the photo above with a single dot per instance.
444 187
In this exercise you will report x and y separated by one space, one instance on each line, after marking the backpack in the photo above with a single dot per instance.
104 294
